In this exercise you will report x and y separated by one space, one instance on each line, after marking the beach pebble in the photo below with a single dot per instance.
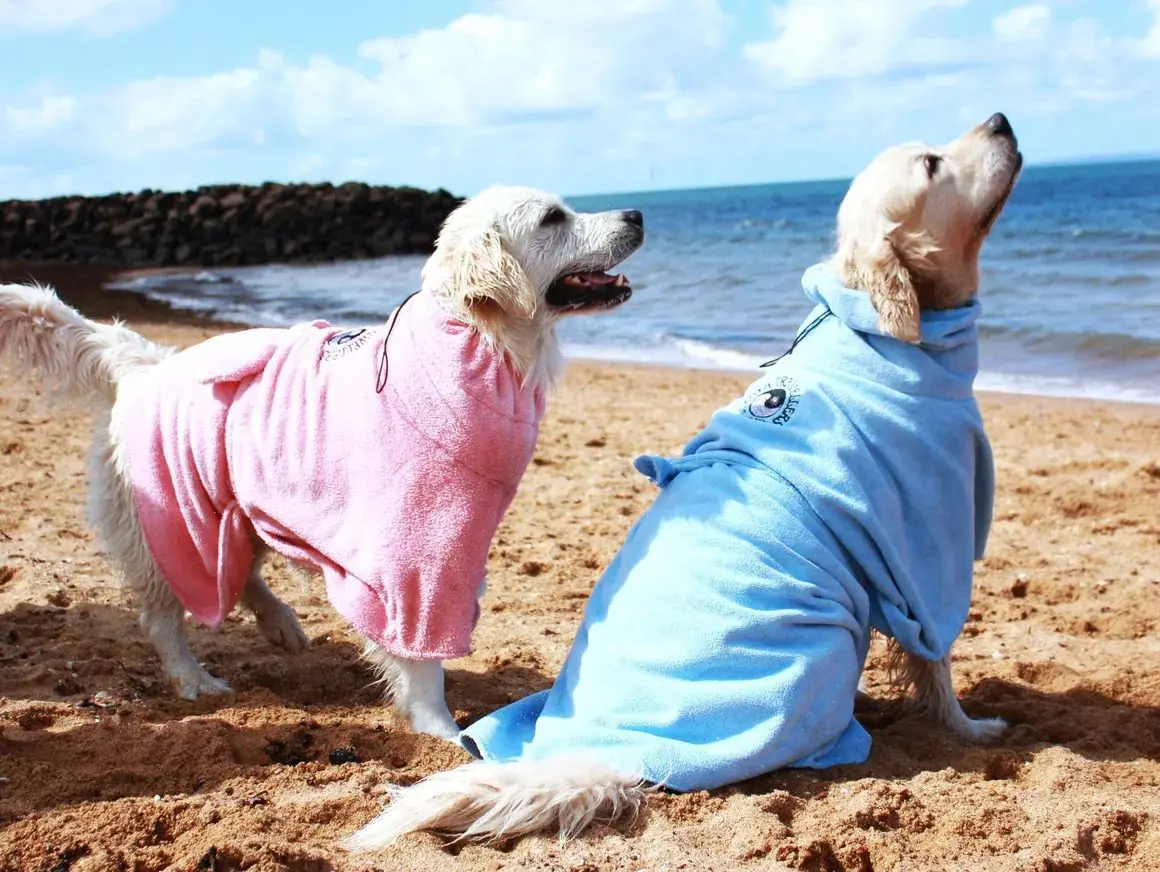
59 598
344 755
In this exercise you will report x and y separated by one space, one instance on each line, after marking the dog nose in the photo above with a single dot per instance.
632 216
1000 126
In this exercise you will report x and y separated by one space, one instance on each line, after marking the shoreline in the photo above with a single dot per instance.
746 377
87 288
751 375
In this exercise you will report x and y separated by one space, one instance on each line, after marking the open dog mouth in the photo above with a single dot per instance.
993 214
588 291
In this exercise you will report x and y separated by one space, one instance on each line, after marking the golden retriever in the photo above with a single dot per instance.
509 263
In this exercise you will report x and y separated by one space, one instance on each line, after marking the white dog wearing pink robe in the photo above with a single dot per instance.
384 458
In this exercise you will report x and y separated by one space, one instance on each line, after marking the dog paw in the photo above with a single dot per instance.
982 730
193 684
441 726
280 625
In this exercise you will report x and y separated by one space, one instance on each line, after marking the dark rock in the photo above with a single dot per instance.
225 225
204 207
344 755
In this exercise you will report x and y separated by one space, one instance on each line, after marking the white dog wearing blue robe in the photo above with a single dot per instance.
849 489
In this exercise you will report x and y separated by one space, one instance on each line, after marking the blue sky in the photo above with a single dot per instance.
578 96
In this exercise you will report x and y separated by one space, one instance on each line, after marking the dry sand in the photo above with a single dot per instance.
101 768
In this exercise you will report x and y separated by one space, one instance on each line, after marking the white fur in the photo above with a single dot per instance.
896 221
78 357
494 264
491 801
496 260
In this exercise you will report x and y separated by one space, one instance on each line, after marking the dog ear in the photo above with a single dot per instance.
485 275
892 293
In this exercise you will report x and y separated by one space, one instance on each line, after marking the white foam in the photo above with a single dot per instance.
691 354
716 357
671 351
1050 386
206 277
680 353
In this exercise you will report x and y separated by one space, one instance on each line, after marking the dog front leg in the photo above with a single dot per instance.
415 687
165 627
934 694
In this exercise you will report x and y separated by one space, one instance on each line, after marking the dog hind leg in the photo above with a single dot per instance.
934 694
275 618
113 514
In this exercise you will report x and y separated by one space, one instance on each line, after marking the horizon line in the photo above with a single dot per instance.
1065 163
1091 160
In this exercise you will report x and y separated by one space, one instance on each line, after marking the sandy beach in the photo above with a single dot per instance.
101 768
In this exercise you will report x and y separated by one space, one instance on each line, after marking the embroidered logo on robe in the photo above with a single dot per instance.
342 344
774 401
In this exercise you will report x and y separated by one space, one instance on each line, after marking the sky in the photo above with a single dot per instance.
575 96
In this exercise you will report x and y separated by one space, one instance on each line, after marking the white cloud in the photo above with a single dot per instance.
1088 65
309 166
97 17
1085 41
47 115
527 58
602 94
167 114
179 112
20 182
849 39
1149 46
1023 23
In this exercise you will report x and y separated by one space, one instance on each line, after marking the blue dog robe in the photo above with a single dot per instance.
850 487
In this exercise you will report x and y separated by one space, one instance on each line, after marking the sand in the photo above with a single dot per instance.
101 768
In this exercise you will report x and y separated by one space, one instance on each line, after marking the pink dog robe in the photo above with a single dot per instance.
394 495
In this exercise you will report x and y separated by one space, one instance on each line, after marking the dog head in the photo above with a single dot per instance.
520 253
912 223
511 261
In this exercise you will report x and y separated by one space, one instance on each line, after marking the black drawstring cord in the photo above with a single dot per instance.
381 372
802 335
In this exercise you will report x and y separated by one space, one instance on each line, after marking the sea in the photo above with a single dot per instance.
1070 282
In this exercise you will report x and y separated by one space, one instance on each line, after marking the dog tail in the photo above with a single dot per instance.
82 359
487 801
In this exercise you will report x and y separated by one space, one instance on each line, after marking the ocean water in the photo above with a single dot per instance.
1070 282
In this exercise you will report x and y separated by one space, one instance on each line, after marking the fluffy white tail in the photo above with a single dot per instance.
81 358
490 801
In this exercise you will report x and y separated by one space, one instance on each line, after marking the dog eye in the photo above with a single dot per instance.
555 215
931 162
